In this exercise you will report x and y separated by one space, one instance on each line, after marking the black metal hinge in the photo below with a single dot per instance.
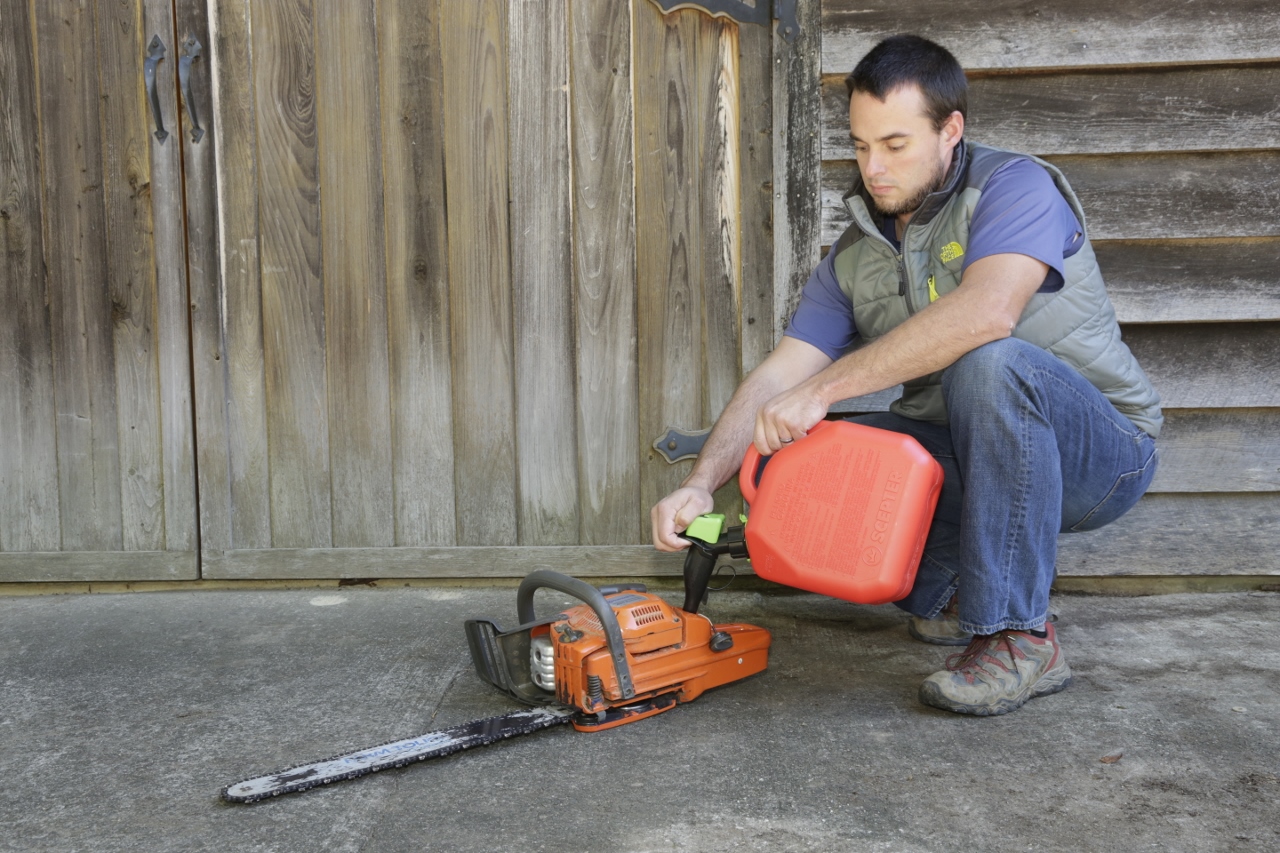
745 12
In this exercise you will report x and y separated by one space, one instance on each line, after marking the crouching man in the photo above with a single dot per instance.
968 278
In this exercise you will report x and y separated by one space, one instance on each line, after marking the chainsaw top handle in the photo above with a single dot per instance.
593 598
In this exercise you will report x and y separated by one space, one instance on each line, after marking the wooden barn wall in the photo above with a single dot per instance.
474 258
1166 120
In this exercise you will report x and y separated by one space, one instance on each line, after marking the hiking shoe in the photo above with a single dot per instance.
941 630
997 674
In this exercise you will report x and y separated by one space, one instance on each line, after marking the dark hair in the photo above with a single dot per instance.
904 60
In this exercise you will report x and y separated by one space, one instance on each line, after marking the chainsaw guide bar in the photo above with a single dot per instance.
397 753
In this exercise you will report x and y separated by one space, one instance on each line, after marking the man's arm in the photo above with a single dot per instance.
790 364
985 307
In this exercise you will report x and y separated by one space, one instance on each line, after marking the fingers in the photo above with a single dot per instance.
774 432
786 419
674 513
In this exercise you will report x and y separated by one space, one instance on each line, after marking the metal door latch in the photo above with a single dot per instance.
680 444
745 12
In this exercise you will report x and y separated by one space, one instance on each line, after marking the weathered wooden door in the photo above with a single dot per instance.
475 257
97 477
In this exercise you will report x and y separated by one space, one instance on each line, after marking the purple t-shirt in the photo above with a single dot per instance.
1020 211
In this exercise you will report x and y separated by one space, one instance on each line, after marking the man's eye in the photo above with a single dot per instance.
897 147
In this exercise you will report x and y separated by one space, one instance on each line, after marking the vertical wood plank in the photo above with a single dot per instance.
546 445
604 247
131 194
355 295
184 248
797 159
755 94
75 254
417 271
720 203
231 411
28 461
673 80
473 37
293 312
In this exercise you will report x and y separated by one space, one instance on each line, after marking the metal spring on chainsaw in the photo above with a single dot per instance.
595 690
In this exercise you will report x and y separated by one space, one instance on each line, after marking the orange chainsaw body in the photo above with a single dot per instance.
668 649
622 655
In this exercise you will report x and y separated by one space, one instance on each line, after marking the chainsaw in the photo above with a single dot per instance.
620 656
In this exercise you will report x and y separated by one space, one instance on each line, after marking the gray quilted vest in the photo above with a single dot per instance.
1077 323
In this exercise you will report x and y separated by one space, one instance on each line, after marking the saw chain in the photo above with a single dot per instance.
396 753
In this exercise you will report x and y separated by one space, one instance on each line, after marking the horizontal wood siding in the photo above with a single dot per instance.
1015 36
1166 121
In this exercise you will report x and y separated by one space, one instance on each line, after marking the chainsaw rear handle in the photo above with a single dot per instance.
593 598
749 472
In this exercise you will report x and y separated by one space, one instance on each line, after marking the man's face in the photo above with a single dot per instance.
901 157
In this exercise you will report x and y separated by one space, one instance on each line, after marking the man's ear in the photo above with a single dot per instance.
952 130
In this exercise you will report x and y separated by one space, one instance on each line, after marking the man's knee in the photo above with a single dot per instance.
982 372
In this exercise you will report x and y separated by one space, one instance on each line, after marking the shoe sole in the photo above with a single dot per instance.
1051 682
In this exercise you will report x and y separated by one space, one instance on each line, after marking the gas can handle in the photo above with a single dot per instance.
751 463
747 474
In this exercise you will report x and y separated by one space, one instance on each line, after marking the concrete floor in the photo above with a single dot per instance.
122 716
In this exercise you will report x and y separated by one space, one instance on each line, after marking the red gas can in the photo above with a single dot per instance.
842 512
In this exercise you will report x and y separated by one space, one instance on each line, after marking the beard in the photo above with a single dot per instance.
912 203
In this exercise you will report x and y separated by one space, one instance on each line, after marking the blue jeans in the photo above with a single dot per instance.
1032 450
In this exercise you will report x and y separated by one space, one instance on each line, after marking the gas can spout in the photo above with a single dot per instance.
700 563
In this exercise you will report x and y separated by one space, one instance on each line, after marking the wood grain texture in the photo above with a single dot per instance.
293 311
669 87
755 217
412 94
473 38
131 194
29 462
184 240
1219 450
720 206
1181 535
1211 366
98 566
1006 34
1185 281
226 315
797 162
541 267
75 260
461 562
349 151
604 274
1200 109
1141 196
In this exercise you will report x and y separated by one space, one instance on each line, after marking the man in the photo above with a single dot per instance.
966 276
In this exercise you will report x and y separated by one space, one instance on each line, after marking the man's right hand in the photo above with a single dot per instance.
675 512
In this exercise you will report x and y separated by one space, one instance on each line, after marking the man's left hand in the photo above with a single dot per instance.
787 417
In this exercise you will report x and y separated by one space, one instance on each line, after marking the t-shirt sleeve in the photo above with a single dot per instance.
1021 211
824 317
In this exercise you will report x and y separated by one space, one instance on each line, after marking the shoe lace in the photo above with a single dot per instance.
983 650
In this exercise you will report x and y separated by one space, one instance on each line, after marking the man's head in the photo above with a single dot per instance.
907 104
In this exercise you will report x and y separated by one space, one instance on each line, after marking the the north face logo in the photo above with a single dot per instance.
950 252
